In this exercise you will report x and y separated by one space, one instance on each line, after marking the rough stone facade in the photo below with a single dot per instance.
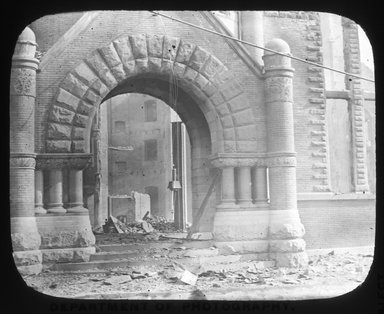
263 126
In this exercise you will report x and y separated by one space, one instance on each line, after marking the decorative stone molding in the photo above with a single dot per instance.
22 161
282 161
238 160
279 89
199 72
317 100
23 82
353 65
61 161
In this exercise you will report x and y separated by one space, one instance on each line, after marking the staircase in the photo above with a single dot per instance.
194 255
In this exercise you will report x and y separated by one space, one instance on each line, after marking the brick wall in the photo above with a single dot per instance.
338 223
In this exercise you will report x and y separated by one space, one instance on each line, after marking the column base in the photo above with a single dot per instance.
40 210
240 225
66 231
24 234
296 259
25 243
66 255
56 210
77 209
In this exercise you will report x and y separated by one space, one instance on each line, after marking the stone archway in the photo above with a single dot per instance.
129 64
244 219
216 91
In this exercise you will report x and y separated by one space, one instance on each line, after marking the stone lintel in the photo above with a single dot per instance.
67 160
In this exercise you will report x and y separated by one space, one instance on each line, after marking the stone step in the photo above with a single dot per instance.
101 265
108 256
198 244
218 259
238 266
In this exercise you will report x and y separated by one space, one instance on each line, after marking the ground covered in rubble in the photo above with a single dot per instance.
328 274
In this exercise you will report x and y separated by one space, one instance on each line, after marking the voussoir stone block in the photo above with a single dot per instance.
210 89
200 81
67 100
170 48
85 73
139 46
185 51
189 75
239 103
154 64
178 70
243 118
123 49
100 88
198 58
217 99
229 134
230 89
61 115
211 66
222 109
102 70
85 108
92 97
72 84
59 131
155 46
78 133
58 146
141 66
227 122
110 55
80 120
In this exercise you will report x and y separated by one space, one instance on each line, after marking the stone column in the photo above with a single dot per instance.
227 187
239 225
76 204
260 185
39 192
244 186
25 237
55 204
285 230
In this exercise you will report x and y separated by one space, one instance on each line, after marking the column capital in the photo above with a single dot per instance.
238 160
277 62
22 160
60 161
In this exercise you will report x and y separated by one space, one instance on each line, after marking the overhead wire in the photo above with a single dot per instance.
264 48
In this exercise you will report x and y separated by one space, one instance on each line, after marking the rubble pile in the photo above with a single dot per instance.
148 224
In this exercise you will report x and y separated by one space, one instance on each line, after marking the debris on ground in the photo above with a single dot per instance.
148 225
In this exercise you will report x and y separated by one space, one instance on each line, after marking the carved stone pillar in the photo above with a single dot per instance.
66 235
55 204
228 187
76 203
25 237
241 225
244 186
39 192
260 185
285 230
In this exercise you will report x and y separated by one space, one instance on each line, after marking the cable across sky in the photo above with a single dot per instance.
267 49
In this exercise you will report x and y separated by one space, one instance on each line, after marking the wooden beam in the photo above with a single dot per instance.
201 211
